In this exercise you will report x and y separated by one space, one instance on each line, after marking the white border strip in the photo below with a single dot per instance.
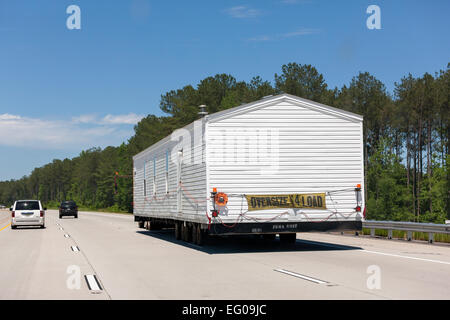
405 257
340 246
92 282
301 276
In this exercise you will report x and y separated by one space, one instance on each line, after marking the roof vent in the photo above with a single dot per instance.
202 111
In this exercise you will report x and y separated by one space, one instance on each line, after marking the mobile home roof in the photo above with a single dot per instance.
285 97
268 101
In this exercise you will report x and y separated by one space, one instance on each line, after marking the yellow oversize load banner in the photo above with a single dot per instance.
297 201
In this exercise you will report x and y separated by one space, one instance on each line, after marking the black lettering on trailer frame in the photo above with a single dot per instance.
309 201
253 202
314 201
319 201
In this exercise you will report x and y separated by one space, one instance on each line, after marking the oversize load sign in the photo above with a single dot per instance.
298 201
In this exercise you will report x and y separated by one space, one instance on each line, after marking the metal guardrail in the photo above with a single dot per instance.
409 227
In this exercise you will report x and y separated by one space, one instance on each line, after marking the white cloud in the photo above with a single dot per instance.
300 32
261 38
7 116
242 12
82 132
296 1
297 33
130 118
85 118
109 119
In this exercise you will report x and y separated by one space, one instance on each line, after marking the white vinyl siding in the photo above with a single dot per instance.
318 152
163 201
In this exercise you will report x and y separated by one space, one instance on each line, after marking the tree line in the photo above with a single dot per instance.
406 142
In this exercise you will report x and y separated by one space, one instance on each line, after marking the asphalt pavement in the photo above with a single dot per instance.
122 261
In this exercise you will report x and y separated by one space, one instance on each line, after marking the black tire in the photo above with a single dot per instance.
288 237
269 236
154 225
42 227
141 224
194 234
60 216
13 227
186 233
76 216
183 232
177 230
199 235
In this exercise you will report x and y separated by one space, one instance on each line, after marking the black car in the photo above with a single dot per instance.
68 208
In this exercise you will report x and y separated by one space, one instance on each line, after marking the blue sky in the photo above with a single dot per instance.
62 91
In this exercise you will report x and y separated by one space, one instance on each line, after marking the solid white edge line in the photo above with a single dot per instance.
381 253
92 282
301 276
405 257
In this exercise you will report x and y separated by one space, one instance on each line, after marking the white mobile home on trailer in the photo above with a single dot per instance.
279 165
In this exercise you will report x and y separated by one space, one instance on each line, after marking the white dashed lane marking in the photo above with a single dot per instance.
301 276
92 282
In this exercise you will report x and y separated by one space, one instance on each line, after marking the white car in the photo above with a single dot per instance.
27 213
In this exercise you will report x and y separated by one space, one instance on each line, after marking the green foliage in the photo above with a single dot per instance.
435 190
367 96
301 80
388 196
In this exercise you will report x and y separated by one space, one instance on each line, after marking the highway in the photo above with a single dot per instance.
133 263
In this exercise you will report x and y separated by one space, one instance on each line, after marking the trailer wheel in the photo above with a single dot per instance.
199 235
177 230
269 236
185 232
141 224
288 237
188 233
155 225
194 233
